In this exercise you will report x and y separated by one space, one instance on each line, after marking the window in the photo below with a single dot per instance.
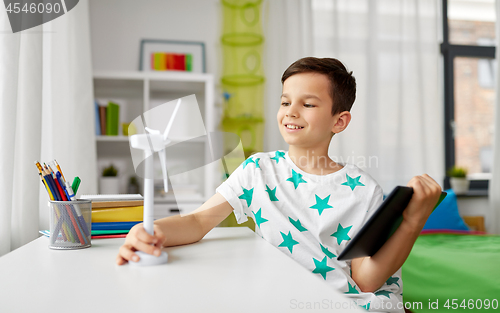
469 79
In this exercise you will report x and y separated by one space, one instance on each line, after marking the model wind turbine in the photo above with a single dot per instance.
151 143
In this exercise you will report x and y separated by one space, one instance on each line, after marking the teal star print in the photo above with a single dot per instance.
327 252
271 193
352 289
296 179
383 293
341 234
352 182
248 161
321 204
297 224
247 195
257 163
278 155
392 280
366 307
321 267
288 241
258 217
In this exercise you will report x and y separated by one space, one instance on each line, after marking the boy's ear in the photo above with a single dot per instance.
342 120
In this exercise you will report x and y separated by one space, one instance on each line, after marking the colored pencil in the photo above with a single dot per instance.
59 169
71 213
69 223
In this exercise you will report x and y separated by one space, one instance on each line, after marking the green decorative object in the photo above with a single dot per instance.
243 77
456 171
458 179
109 171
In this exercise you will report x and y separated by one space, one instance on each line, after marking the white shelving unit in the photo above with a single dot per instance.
138 92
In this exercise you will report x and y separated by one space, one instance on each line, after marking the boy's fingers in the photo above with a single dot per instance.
431 180
424 181
427 180
144 247
432 186
144 236
425 184
159 241
416 183
127 254
140 240
421 187
424 187
120 260
160 238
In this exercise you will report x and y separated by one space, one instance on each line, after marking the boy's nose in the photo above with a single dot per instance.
292 112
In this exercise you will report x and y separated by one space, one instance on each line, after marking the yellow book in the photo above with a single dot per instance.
124 214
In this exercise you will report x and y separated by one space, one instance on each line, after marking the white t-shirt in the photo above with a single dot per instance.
311 218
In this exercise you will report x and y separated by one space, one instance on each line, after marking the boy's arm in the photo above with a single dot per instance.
175 230
370 273
194 226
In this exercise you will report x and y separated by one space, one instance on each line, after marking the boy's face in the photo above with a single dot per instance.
306 102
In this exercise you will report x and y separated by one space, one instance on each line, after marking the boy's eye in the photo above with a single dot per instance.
285 103
309 105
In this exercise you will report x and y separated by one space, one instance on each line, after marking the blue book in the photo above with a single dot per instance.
114 225
97 120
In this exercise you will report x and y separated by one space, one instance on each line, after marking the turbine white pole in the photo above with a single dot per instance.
148 192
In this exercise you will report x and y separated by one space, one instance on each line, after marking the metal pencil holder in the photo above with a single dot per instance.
70 224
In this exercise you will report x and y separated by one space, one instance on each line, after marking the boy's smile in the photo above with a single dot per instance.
292 127
305 116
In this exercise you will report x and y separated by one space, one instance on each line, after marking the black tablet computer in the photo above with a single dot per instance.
381 225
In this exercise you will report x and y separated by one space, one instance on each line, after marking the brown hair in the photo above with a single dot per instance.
342 83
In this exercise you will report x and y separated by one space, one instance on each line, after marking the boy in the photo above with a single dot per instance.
303 203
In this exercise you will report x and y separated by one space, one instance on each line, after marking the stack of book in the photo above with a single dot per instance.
107 119
114 215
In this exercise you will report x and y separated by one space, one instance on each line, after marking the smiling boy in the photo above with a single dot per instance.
304 203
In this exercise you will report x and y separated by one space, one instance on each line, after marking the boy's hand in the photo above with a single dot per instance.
139 239
426 192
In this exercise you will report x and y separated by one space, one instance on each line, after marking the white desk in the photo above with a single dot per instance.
230 270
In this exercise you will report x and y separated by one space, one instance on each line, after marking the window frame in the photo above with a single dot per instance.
449 52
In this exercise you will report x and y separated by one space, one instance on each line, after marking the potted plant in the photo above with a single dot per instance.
109 180
458 179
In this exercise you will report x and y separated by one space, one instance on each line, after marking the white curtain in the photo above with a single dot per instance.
392 47
493 216
46 113
288 37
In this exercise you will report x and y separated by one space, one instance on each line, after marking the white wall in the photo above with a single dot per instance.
117 27
473 206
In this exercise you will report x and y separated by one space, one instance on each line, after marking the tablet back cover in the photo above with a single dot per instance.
380 226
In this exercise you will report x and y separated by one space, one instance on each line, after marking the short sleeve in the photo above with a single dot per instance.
375 202
238 191
389 297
